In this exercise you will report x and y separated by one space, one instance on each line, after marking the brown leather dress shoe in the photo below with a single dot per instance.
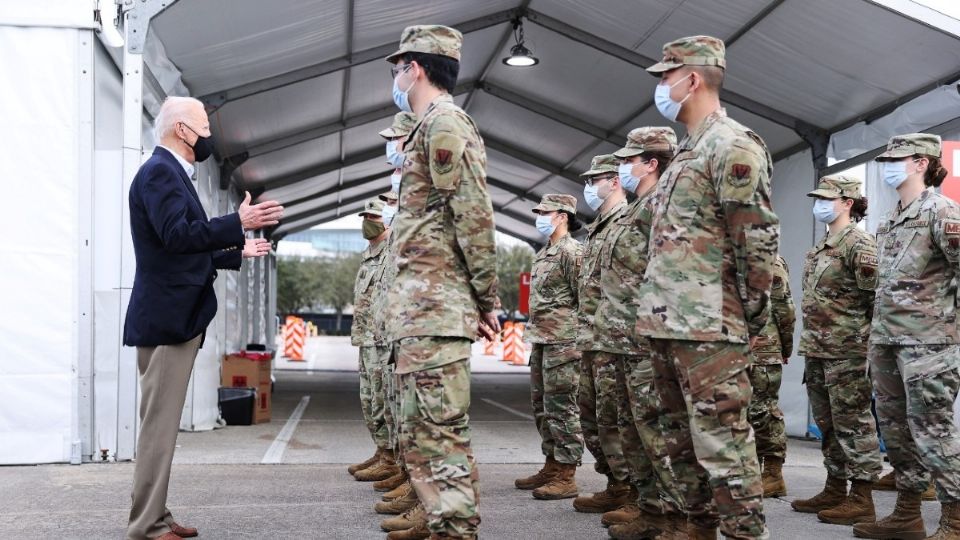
183 532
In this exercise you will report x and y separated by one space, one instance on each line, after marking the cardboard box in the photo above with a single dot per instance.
250 369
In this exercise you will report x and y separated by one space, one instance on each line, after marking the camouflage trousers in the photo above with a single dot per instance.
840 394
553 394
598 413
390 412
705 390
373 400
764 411
641 435
916 388
435 435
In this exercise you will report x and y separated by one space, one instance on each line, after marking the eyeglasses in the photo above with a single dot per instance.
397 70
593 180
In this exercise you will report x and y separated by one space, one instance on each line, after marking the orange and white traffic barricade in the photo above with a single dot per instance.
513 347
294 332
507 340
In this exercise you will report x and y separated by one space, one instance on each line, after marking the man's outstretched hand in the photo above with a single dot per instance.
256 247
257 216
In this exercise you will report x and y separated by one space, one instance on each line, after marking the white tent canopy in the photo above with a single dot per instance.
298 89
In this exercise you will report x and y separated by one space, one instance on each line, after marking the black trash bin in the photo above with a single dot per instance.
236 405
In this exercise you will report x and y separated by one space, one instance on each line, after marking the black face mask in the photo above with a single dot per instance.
203 148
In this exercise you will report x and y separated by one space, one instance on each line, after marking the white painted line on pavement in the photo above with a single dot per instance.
275 452
510 410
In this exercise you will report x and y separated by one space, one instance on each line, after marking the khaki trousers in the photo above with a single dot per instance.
164 374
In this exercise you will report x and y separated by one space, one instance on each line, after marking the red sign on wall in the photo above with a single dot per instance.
951 161
524 293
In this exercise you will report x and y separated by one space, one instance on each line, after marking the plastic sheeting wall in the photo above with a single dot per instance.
40 275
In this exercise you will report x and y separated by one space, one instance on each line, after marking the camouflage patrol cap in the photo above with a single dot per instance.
373 207
911 144
604 163
554 202
389 197
430 39
403 124
691 51
836 186
648 139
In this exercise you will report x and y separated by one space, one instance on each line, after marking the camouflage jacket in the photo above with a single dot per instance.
916 299
623 258
713 240
444 242
839 277
588 281
366 292
775 342
383 289
553 293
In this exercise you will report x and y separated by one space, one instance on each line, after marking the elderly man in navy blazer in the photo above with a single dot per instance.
178 251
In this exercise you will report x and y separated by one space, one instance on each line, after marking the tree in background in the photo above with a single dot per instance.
511 261
297 284
337 277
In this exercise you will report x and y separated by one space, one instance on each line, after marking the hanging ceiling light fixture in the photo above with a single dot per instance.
520 55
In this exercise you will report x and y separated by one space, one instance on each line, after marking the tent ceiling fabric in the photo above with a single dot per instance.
302 86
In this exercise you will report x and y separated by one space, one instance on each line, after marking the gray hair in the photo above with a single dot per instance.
174 109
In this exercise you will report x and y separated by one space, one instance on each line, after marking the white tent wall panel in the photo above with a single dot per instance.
40 280
793 178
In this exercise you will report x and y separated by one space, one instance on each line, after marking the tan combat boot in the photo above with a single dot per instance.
640 527
562 486
624 514
398 505
417 532
834 493
856 508
701 533
407 520
949 523
772 477
904 523
887 482
617 494
364 464
385 468
400 491
930 494
391 483
544 475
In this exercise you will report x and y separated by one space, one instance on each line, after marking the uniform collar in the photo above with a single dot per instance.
442 98
372 251
601 218
836 239
554 247
694 137
913 209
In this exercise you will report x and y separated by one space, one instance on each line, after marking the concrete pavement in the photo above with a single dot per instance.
220 485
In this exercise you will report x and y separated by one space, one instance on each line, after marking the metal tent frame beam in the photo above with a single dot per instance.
215 100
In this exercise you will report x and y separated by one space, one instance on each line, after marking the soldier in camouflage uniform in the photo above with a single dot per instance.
598 379
914 352
555 360
445 290
771 350
623 259
374 352
839 278
396 137
706 291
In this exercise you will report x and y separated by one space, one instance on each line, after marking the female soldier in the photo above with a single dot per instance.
914 351
555 361
839 278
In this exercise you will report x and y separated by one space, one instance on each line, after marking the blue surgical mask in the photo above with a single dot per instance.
545 225
401 98
592 197
824 211
395 182
388 214
394 156
665 104
628 180
894 173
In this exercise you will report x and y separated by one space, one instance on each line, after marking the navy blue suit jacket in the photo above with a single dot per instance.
178 250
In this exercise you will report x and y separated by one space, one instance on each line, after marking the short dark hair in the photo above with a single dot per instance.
442 71
663 159
573 224
712 76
